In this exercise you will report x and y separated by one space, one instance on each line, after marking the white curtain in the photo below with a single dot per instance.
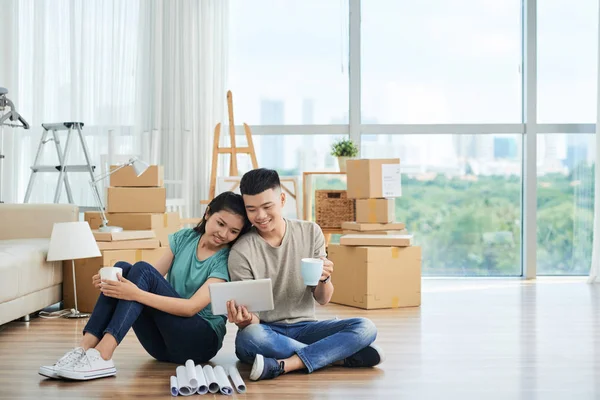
181 89
75 61
595 267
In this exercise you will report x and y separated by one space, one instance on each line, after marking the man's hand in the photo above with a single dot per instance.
96 281
239 315
327 268
121 289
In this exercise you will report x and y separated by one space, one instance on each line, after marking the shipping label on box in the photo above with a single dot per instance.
380 211
140 200
391 180
126 177
376 277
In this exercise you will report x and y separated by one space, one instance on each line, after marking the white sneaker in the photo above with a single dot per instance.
90 366
70 358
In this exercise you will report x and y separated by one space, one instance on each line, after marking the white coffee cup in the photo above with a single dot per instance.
311 270
110 273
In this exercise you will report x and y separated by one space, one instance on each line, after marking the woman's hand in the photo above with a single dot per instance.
96 281
121 289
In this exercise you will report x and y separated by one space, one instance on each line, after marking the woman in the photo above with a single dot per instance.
171 317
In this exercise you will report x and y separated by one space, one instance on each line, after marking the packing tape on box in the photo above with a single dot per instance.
165 220
395 252
395 302
138 255
372 204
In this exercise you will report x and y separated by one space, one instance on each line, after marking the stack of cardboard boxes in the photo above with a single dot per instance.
376 265
136 204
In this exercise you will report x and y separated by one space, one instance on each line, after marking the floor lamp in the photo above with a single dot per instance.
72 241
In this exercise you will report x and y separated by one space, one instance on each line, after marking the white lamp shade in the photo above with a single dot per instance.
72 241
139 166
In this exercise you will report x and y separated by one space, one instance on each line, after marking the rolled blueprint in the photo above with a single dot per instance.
209 374
174 386
183 382
190 372
223 381
202 385
237 380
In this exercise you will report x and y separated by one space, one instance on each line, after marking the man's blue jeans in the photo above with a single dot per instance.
318 344
165 337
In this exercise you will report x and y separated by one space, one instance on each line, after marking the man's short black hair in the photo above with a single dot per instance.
259 180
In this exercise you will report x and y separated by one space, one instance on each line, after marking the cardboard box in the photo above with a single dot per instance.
376 240
123 235
376 277
85 269
134 221
400 232
380 211
364 227
162 224
129 244
374 178
154 176
140 200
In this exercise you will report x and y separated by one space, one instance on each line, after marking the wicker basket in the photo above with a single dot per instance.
332 207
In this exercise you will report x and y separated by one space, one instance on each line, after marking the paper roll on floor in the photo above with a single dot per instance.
174 387
190 372
183 383
213 386
202 385
237 380
223 381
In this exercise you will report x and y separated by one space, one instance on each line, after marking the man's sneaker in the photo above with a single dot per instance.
370 356
70 358
265 368
90 366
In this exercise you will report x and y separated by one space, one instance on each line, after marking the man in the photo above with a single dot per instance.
289 338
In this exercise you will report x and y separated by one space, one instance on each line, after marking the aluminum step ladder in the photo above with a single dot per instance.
63 168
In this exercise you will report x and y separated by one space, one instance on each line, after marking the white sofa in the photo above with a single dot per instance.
27 282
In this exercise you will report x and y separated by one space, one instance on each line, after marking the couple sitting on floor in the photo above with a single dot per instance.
172 318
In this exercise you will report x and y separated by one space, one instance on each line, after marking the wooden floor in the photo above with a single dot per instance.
471 339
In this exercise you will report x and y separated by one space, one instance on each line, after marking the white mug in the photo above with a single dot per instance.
110 273
311 270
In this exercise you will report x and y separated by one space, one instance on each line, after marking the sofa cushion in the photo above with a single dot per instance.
23 268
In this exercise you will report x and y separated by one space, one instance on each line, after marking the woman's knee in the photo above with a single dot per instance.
138 270
125 266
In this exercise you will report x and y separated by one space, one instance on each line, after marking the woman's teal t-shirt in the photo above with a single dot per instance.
187 274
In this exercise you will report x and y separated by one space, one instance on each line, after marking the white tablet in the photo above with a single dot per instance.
256 295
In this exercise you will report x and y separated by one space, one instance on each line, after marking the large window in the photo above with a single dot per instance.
440 61
289 61
565 213
567 60
461 199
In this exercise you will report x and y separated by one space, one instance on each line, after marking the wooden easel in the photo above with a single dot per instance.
234 151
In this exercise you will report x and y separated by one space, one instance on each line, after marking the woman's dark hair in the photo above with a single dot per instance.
226 201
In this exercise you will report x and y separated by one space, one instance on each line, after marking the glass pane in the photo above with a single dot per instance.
567 60
565 213
288 61
440 61
461 199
